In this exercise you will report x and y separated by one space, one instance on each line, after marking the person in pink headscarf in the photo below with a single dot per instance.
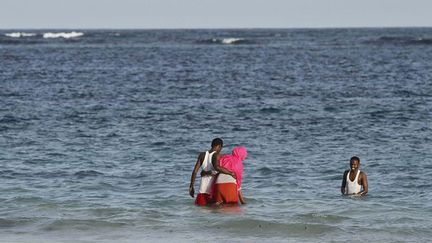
227 189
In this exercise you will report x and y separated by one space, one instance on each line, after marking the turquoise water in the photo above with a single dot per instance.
99 134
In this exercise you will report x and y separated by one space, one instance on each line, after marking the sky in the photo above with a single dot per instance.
157 14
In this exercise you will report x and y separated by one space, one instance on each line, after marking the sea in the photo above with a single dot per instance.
100 131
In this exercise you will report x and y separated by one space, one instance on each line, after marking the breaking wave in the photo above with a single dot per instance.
47 35
225 41
65 35
20 34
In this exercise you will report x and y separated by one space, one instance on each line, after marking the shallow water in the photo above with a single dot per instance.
100 133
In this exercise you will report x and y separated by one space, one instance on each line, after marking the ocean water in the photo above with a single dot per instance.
100 130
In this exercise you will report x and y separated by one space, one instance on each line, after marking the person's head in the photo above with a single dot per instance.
217 144
240 152
354 163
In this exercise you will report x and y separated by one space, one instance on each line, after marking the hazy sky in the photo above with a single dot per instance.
213 13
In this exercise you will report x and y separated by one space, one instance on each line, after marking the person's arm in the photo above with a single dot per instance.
241 198
344 182
364 183
194 173
220 169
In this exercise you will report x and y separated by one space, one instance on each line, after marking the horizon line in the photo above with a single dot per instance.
207 28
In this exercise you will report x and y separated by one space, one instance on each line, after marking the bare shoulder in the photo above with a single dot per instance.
362 174
345 174
201 156
215 157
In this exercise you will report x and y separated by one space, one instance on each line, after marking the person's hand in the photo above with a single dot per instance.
191 191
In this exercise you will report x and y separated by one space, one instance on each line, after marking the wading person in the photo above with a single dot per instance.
227 188
354 181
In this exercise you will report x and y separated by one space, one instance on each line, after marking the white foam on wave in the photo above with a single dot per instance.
231 40
20 34
65 35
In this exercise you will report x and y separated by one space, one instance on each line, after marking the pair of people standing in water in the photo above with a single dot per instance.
221 176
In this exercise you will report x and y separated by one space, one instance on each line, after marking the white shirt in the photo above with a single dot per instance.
352 187
207 180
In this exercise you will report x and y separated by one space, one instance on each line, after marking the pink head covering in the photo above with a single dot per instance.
234 163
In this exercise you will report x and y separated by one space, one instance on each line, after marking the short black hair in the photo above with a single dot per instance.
216 142
355 158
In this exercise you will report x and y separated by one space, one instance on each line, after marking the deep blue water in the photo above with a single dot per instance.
99 133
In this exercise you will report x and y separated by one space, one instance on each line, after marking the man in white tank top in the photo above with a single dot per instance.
208 172
354 181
